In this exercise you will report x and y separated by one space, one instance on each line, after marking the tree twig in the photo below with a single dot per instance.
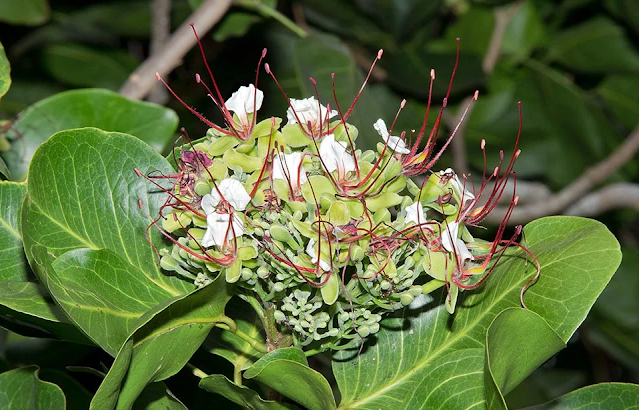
614 196
168 57
503 15
570 194
160 32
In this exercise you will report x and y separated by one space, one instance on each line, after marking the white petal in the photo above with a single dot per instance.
457 185
241 101
415 213
397 145
307 110
310 250
289 165
209 203
233 192
334 155
218 228
463 251
449 235
394 143
380 127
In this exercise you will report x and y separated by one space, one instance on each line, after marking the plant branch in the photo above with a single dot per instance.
570 194
160 32
503 15
614 196
169 56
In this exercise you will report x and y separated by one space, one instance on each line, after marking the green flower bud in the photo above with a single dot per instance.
201 187
338 214
280 233
385 285
233 272
330 290
357 253
374 328
363 330
279 286
246 274
406 298
168 263
176 220
263 272
279 316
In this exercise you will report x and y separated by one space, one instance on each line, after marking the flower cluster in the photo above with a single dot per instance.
327 236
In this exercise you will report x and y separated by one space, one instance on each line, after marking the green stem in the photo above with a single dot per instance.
266 11
229 324
432 285
196 371
237 376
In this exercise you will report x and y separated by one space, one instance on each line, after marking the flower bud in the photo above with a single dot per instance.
201 187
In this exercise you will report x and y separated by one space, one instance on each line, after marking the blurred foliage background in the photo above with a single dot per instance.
574 65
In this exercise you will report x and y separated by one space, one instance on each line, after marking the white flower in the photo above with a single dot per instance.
308 110
449 236
394 143
415 213
241 102
334 156
289 166
232 191
457 186
310 250
220 229
223 227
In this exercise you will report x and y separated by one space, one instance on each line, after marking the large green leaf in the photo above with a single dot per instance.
22 389
82 211
5 72
83 66
24 12
596 46
423 353
596 397
242 395
286 370
23 301
86 108
517 342
163 342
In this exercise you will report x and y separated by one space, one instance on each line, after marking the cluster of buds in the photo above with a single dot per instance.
327 236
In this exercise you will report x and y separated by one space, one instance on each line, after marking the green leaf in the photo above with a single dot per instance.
517 342
596 397
345 19
570 250
22 299
22 389
84 227
524 32
286 371
613 326
242 395
400 17
620 92
157 397
596 46
5 72
87 108
24 12
230 346
163 342
409 69
77 397
82 66
626 10
235 24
